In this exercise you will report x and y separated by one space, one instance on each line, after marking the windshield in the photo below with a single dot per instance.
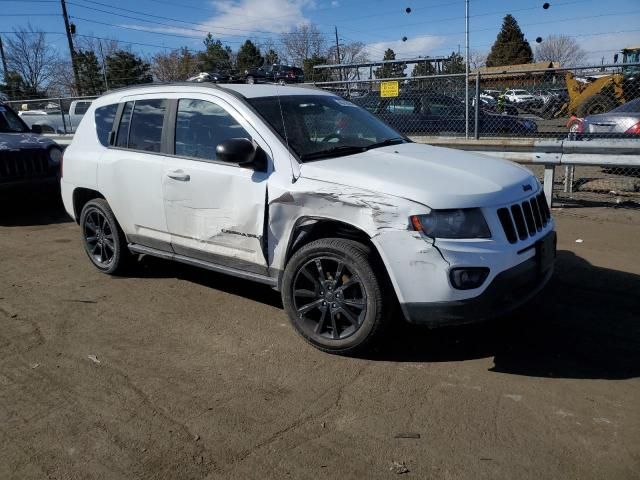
10 122
322 126
632 106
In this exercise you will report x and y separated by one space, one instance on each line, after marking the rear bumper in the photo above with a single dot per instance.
508 290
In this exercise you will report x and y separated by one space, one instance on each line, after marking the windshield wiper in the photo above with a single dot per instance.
385 143
333 152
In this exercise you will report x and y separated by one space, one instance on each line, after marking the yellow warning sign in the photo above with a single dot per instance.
389 89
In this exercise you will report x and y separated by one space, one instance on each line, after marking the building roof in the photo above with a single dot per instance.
537 68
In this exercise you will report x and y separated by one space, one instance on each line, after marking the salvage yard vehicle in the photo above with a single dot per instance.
419 113
55 121
300 189
26 157
281 74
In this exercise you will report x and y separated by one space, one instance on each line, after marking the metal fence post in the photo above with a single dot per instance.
64 122
476 127
547 183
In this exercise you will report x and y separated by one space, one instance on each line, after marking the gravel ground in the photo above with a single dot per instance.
176 373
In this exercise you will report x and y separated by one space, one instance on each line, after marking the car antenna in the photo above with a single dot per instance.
286 138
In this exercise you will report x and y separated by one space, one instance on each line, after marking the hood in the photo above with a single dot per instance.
23 140
434 176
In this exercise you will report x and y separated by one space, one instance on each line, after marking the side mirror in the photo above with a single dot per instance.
36 129
236 150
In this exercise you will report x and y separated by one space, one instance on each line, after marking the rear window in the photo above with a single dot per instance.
104 122
82 107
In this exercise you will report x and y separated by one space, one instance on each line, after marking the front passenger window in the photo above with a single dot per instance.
201 126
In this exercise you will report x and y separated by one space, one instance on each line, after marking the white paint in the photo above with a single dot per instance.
513 396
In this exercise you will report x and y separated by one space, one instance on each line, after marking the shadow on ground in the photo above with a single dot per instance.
32 205
584 325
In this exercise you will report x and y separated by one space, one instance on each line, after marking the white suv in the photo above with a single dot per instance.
300 189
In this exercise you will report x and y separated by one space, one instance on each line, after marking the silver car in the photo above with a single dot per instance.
624 119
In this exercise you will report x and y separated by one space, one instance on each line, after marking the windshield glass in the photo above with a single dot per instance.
10 122
632 106
322 126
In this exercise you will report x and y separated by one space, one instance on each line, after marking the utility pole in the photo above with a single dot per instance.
71 50
338 52
466 68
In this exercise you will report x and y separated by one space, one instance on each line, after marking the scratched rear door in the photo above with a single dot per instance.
214 210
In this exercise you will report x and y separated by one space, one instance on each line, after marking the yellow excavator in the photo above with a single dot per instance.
605 92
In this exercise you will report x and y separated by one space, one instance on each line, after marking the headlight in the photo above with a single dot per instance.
55 155
457 223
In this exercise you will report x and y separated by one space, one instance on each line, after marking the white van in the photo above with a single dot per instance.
300 189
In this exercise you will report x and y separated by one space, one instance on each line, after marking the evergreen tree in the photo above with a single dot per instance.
454 64
249 56
215 57
271 57
390 70
125 68
315 75
510 48
90 78
422 69
14 86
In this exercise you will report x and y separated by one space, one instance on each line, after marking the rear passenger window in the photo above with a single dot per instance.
123 127
201 126
104 122
146 125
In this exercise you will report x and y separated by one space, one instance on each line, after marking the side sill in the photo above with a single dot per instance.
256 277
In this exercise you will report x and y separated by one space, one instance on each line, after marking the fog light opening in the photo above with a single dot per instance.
468 278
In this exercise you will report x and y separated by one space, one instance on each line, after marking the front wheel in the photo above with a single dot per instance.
334 296
103 239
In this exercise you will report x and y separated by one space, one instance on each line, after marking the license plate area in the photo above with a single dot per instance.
546 252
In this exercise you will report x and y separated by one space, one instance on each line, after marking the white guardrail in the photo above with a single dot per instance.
550 153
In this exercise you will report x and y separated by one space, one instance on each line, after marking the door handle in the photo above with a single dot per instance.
179 175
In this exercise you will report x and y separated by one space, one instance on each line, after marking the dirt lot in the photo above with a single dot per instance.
200 376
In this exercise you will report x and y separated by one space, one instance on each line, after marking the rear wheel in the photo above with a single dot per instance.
595 104
334 296
103 240
250 80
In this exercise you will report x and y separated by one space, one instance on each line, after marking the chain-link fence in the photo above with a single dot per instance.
59 115
586 102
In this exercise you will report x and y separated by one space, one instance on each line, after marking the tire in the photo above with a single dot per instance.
103 239
595 104
282 83
346 312
250 80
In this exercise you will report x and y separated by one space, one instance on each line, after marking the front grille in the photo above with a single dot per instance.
23 164
525 219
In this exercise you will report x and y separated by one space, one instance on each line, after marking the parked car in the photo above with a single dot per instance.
26 157
52 120
281 74
519 96
302 190
487 102
214 77
418 113
621 121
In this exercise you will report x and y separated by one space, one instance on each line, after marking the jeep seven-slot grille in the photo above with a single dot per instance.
23 164
524 220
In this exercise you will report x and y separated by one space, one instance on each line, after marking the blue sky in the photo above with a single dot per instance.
434 27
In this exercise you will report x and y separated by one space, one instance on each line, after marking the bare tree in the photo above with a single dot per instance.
29 55
349 53
174 66
477 59
562 49
303 42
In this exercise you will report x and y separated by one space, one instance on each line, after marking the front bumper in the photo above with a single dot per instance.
508 290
